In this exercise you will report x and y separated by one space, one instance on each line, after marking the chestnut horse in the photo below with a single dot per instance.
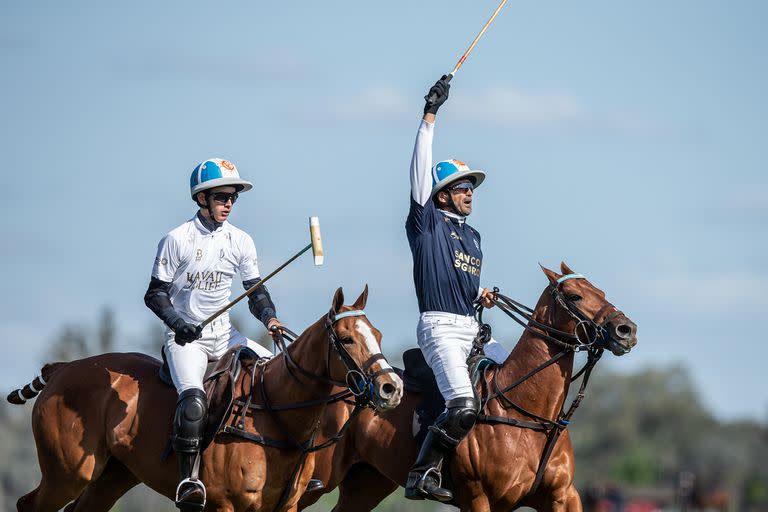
496 465
102 423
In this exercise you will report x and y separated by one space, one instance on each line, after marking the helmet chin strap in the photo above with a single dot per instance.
452 205
214 223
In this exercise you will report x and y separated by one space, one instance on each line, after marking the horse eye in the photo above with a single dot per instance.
347 340
573 297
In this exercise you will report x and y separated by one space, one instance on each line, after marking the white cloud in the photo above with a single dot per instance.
749 198
508 105
375 102
504 105
728 292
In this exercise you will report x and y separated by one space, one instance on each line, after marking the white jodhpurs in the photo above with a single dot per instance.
187 363
445 340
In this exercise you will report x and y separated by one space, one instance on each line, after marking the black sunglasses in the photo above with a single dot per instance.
223 197
463 186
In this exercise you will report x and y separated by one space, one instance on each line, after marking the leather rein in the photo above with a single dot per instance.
359 392
570 342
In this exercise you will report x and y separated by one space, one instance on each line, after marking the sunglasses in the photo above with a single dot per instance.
223 197
463 187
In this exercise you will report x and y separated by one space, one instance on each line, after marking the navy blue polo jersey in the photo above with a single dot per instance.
446 260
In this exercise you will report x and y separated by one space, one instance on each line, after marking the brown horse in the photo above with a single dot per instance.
495 466
102 423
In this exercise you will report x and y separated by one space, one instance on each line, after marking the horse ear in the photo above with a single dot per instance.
565 269
338 300
551 274
362 299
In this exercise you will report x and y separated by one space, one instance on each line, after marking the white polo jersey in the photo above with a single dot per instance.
201 265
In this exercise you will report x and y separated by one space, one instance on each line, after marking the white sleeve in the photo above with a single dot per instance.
249 266
421 164
167 259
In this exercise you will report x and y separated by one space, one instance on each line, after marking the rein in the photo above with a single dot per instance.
359 391
596 338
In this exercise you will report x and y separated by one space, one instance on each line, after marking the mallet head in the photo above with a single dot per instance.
317 242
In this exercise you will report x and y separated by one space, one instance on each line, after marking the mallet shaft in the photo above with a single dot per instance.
488 24
252 288
432 97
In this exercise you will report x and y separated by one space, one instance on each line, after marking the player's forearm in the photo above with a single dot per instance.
157 298
259 302
421 161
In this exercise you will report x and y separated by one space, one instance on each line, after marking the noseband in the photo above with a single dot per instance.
359 379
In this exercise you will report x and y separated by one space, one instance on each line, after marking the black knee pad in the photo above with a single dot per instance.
455 423
189 421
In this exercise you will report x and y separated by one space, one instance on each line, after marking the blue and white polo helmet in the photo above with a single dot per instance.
216 172
447 171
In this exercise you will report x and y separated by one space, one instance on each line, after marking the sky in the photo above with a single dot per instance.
625 138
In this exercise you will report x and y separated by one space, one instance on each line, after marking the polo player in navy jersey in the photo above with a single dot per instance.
447 260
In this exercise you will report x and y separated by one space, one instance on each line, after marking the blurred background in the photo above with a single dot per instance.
625 138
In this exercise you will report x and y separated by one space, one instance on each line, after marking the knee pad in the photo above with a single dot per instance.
455 423
189 421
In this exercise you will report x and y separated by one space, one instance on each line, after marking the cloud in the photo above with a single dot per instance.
503 105
179 64
507 105
728 292
380 103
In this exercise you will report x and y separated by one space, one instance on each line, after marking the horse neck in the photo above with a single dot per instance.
544 393
310 353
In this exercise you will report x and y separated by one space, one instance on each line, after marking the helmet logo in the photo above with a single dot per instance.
229 167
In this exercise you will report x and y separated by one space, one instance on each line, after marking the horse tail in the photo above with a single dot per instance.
31 390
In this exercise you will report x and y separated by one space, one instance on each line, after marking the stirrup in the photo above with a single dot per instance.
187 506
417 491
315 484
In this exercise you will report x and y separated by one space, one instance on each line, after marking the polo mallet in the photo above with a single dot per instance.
316 244
431 98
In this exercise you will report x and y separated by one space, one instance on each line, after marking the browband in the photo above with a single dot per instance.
355 312
570 276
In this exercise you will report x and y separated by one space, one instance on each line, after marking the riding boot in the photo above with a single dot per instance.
188 427
424 478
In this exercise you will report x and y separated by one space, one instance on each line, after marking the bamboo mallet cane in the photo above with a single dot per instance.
431 98
316 244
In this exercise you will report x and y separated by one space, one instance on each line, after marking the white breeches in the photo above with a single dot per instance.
445 340
188 362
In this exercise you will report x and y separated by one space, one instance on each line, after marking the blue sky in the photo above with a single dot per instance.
627 139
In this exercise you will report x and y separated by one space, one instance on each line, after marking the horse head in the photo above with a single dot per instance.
360 363
581 308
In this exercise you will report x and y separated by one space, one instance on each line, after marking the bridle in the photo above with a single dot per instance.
359 392
587 336
596 335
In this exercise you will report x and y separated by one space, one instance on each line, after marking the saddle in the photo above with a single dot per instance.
419 378
219 385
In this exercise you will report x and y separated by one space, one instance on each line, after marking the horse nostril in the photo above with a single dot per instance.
624 330
387 390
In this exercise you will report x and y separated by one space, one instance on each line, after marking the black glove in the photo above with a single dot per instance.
437 95
185 332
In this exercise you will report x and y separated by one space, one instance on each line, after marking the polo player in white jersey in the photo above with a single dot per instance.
191 279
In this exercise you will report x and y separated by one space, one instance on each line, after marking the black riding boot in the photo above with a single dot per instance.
424 479
188 427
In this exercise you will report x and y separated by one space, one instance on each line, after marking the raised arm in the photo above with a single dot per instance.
421 161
